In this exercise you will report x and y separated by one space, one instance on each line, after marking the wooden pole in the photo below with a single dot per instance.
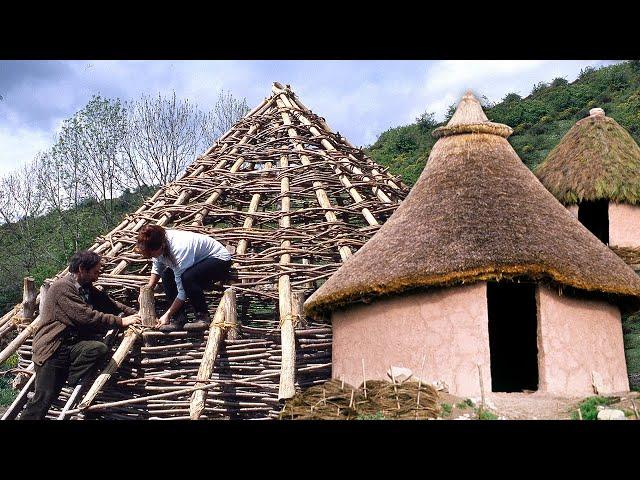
216 334
395 389
297 309
231 314
287 336
147 307
20 401
28 299
72 399
8 316
481 390
288 365
364 380
28 331
130 337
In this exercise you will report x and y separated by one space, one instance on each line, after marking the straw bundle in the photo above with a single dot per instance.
335 400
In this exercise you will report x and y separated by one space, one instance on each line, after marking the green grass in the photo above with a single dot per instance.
486 415
467 403
7 394
589 407
446 409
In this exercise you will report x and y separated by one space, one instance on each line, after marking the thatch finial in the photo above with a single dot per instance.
468 112
596 112
469 117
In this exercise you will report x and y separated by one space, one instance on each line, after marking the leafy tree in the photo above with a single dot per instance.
426 122
559 82
89 147
539 87
511 97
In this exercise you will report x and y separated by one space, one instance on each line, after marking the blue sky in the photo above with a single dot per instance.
358 98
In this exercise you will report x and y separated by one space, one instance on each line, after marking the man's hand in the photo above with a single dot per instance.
164 319
130 320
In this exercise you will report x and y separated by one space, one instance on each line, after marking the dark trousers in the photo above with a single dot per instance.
195 280
74 361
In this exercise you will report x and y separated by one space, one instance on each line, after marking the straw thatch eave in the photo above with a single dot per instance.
596 159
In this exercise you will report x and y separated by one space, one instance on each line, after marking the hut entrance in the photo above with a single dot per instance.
513 336
595 216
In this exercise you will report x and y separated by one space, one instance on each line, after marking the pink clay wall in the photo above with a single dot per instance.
575 338
449 326
624 225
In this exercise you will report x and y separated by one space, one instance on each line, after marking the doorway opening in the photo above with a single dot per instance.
513 336
595 216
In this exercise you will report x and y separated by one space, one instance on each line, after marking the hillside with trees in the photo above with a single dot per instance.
539 120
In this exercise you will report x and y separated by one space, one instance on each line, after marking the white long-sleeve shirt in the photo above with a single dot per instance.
188 248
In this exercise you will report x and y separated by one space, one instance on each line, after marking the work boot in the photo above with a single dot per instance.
175 324
202 322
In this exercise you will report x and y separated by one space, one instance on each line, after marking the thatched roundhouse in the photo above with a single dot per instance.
292 200
481 279
595 172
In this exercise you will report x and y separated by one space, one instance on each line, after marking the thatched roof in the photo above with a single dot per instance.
475 213
596 159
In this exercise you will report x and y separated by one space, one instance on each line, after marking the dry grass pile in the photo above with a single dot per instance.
630 255
335 400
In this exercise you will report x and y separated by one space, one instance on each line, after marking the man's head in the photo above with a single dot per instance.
86 265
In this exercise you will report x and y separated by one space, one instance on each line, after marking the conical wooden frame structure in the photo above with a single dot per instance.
291 200
416 295
597 165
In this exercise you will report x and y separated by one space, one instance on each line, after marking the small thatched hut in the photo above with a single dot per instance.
481 279
595 172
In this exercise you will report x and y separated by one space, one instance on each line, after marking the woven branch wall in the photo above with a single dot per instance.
291 200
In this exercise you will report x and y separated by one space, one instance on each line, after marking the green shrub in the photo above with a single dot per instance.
589 407
486 415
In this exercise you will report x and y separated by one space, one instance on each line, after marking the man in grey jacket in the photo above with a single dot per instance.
73 311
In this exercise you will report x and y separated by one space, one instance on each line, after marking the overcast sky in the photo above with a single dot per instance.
360 99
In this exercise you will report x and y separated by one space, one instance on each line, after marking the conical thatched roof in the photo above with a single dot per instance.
475 213
596 159
292 200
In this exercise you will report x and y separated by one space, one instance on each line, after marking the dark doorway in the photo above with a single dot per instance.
595 216
513 336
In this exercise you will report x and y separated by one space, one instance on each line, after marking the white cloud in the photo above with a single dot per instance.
23 144
361 99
